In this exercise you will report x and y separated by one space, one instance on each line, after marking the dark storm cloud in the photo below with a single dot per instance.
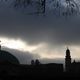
36 29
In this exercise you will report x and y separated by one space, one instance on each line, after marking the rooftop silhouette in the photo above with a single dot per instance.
10 66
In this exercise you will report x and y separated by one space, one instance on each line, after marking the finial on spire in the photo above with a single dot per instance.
67 47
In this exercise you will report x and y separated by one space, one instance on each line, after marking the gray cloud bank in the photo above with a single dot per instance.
36 29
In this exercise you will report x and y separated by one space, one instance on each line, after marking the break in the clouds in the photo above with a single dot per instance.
52 31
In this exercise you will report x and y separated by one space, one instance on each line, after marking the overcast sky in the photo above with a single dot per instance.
44 36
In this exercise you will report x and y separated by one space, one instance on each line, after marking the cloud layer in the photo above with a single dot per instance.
53 30
36 29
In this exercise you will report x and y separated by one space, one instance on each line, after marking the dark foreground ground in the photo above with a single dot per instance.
49 76
38 72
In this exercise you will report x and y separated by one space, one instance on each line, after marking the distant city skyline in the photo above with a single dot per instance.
26 56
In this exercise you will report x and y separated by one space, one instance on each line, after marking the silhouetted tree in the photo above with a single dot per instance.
37 62
32 62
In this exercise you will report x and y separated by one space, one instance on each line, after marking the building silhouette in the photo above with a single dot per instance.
8 63
71 67
67 60
75 67
6 56
10 66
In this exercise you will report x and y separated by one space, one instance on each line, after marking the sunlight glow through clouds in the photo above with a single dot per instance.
42 49
17 44
51 56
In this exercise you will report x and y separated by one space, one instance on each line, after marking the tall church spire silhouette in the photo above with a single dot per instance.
67 60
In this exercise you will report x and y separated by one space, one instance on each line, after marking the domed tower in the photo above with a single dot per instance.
7 57
67 60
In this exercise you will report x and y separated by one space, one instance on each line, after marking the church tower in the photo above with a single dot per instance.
67 60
